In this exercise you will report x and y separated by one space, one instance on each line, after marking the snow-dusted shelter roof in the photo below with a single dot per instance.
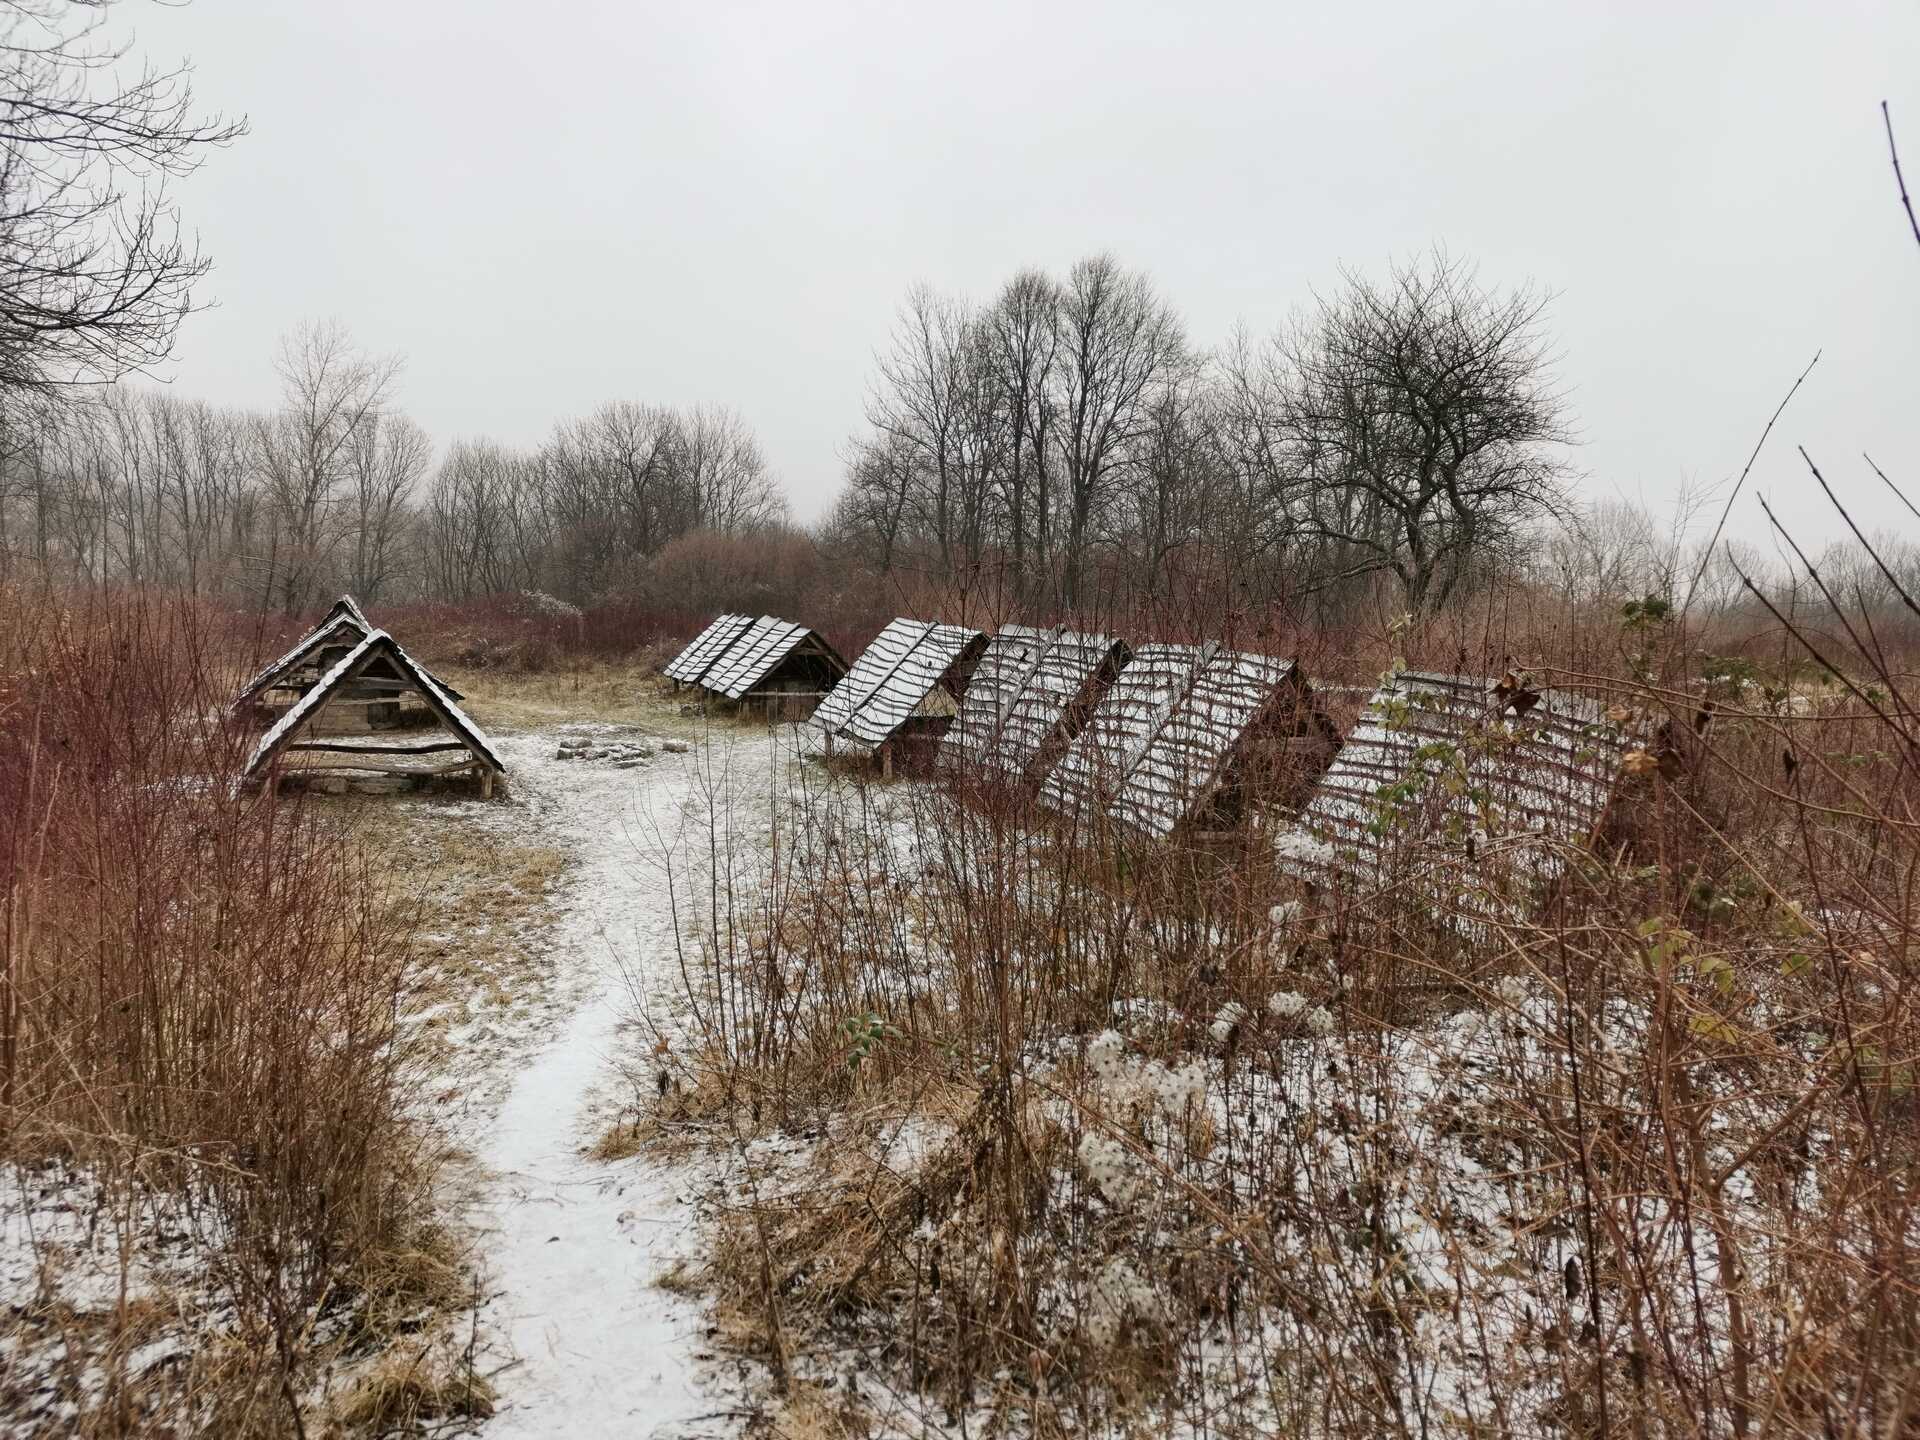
692 663
344 625
1174 731
379 652
1029 693
1489 779
897 677
761 652
347 607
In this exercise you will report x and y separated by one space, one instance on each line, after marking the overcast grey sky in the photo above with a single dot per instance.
545 207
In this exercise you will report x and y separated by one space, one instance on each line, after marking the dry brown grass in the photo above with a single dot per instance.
478 902
626 693
199 1023
413 1386
1667 1035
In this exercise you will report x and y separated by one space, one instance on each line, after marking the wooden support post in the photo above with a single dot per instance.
886 761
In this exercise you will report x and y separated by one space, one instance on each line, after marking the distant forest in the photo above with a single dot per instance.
1064 446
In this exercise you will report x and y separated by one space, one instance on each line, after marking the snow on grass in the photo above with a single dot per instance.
107 1290
583 1340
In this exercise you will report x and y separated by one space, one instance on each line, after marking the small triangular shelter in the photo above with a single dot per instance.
775 655
1190 734
1029 696
906 685
298 742
1461 792
344 626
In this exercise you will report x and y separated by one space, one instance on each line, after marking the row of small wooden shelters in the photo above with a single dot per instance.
348 707
784 668
1439 769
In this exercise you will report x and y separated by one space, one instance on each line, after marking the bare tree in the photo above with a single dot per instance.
732 487
1419 424
1024 330
1120 346
331 391
386 457
917 405
1177 493
94 276
873 507
617 488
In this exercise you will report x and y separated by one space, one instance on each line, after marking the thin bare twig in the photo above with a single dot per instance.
1899 494
1707 554
1893 153
1865 544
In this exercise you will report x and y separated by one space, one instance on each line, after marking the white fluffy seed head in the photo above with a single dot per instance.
1111 1168
1225 1020
1299 845
1287 1004
1175 1091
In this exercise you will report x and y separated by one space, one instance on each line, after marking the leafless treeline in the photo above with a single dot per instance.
337 488
582 515
1409 427
1066 444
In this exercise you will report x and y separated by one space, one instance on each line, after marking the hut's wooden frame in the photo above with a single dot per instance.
344 619
480 759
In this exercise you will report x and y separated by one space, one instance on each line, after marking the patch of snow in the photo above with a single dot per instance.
575 1247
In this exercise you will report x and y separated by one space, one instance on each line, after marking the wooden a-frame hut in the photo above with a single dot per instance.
301 745
1189 735
903 691
344 626
785 668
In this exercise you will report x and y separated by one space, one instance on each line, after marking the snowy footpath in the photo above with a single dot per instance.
582 1340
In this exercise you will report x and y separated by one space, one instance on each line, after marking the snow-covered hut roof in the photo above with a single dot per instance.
893 679
347 606
707 647
344 623
1023 693
373 647
1489 777
335 627
759 651
1166 734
